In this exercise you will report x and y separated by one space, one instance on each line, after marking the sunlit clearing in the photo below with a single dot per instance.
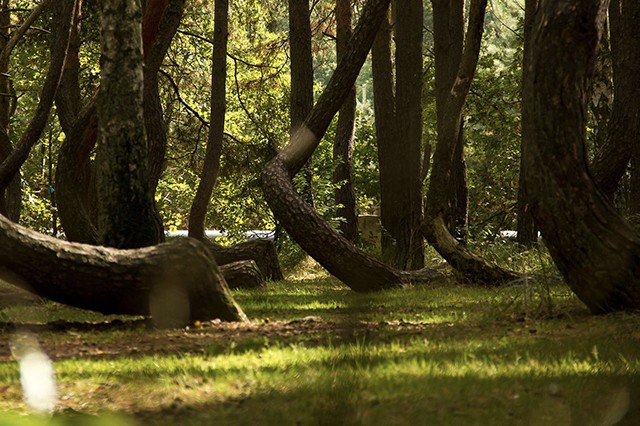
36 373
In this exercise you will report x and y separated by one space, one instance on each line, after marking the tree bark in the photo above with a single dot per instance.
355 268
74 171
526 228
301 99
211 165
596 251
10 200
434 227
125 202
60 41
242 274
344 195
111 281
262 252
448 37
407 201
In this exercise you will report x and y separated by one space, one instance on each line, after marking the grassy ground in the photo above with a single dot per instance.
316 353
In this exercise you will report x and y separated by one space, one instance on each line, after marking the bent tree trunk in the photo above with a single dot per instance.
353 267
111 281
596 251
434 227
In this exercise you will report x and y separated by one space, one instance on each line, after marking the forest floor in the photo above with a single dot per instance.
316 353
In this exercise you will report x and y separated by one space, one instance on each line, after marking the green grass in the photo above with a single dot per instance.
317 353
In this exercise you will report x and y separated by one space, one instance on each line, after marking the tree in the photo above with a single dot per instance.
318 238
623 132
74 173
344 195
125 201
211 166
261 254
301 98
438 196
527 232
398 112
448 38
14 158
11 198
593 247
174 282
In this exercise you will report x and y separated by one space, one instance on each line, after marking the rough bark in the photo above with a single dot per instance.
242 274
596 251
211 165
176 282
10 200
74 171
408 144
355 268
526 228
448 37
262 252
434 228
125 202
60 40
301 98
344 195
384 104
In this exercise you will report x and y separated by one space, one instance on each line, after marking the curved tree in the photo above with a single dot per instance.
434 226
176 282
596 251
10 166
356 269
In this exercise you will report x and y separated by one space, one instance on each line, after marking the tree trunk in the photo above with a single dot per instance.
448 37
10 200
355 268
526 228
623 134
262 252
211 166
596 251
301 100
384 104
176 282
242 274
344 195
434 227
60 41
408 186
74 171
125 202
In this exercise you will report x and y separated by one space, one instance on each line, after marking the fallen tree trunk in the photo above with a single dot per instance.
176 282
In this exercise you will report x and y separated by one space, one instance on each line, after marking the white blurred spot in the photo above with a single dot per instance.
169 305
36 373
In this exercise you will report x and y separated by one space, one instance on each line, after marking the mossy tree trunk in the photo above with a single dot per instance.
596 251
125 202
176 282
